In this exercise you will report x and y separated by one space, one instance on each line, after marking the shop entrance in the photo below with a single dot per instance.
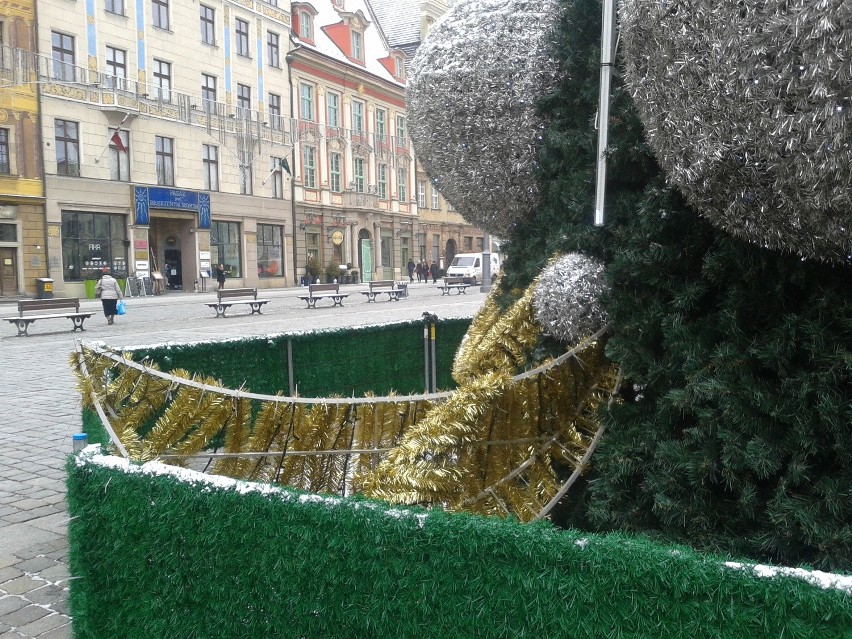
8 271
172 268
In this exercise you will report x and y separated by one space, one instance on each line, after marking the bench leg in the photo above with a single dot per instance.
220 310
371 297
78 323
312 303
338 301
22 325
445 291
255 308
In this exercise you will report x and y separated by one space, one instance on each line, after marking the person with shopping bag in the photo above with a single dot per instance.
109 292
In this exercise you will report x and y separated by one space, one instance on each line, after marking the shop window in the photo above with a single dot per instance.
92 242
226 247
270 253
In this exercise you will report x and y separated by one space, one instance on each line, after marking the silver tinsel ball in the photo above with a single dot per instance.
472 89
747 107
566 299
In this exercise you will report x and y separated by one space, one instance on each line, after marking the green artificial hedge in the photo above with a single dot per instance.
354 361
154 556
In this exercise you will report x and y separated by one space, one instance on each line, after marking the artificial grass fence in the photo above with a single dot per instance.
159 551
352 361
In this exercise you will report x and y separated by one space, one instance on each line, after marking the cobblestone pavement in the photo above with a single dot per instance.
41 411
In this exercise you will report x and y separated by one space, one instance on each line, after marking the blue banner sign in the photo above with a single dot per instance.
157 197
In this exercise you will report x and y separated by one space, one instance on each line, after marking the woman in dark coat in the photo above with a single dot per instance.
220 275
433 271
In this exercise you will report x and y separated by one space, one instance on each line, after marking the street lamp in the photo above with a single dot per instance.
289 60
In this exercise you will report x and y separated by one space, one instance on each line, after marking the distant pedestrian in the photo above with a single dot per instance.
108 290
433 271
425 266
220 276
410 271
419 270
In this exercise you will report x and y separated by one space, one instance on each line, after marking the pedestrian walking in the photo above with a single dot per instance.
220 276
433 271
410 271
419 270
109 292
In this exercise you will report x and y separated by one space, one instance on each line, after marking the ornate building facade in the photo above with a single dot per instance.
23 234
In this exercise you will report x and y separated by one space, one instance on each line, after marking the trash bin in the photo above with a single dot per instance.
44 288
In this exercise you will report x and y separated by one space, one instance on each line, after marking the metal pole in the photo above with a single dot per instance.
486 263
289 59
434 365
425 357
607 54
290 367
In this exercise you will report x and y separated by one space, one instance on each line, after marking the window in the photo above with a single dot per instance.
225 247
358 46
334 162
468 244
270 254
67 147
5 166
273 51
277 178
386 248
208 24
163 80
115 6
241 33
160 11
243 99
164 148
357 116
332 109
404 251
116 64
306 101
421 194
479 244
381 126
91 242
312 244
436 247
309 167
246 175
359 174
210 162
382 181
434 198
208 92
275 111
119 156
399 65
63 56
400 131
306 26
402 184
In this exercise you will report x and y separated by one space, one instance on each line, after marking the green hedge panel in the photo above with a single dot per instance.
377 359
154 557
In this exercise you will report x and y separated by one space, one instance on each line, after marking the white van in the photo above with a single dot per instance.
469 266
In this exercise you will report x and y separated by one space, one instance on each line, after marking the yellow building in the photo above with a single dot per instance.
23 240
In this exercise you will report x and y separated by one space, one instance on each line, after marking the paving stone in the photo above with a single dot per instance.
25 615
21 585
35 565
9 604
45 624
63 632
57 572
8 573
47 595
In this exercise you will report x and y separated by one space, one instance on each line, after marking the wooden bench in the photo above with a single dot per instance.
395 290
228 297
317 292
457 284
38 308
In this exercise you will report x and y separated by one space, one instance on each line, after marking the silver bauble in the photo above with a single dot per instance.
747 107
567 298
472 89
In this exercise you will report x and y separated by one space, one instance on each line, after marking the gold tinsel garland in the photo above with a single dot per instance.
494 446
